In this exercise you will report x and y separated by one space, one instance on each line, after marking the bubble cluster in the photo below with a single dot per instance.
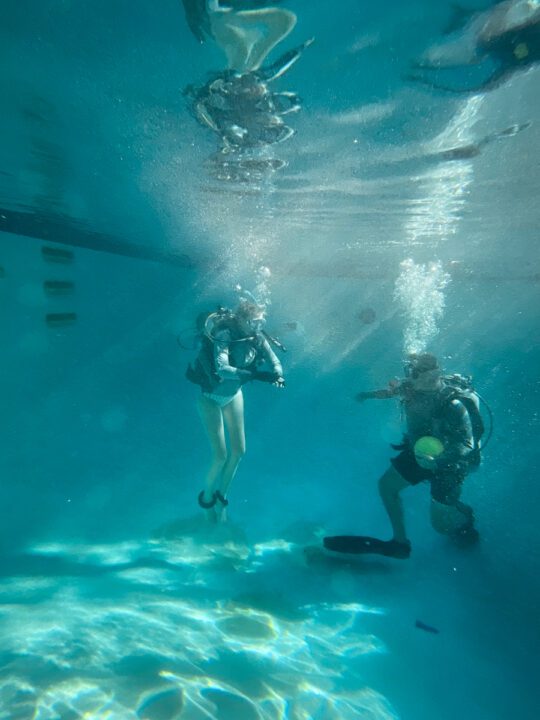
419 290
262 286
261 293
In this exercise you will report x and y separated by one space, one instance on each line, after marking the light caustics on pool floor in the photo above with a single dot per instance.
138 630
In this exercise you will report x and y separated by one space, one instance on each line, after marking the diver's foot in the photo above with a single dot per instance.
466 535
221 507
209 505
221 517
396 549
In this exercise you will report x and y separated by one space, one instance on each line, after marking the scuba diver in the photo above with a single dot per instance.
441 446
506 36
241 108
233 346
246 30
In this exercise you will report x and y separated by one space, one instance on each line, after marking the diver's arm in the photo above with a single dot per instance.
271 358
391 391
458 440
222 362
374 395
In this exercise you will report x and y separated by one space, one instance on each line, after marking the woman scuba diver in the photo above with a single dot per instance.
233 346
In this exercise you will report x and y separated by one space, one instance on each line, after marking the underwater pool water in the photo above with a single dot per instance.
397 216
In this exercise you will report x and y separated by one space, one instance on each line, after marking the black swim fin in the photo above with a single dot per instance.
365 545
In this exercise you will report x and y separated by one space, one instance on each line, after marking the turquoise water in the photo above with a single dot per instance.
117 601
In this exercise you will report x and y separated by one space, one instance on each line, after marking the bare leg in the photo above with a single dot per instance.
248 36
212 419
233 414
390 486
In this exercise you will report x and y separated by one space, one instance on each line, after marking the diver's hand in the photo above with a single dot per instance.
427 462
361 397
269 377
264 376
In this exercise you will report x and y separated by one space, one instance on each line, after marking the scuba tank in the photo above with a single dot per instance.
460 387
203 371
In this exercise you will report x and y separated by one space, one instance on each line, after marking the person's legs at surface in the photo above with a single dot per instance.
247 36
212 419
233 414
273 25
230 39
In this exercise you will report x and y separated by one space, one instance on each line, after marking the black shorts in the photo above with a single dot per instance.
445 486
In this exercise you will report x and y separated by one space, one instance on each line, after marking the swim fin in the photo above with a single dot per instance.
283 63
365 545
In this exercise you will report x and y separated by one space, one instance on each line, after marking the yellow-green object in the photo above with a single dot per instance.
428 446
521 51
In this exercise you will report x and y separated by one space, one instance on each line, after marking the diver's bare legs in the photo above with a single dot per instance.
224 463
212 420
390 486
445 519
233 414
248 36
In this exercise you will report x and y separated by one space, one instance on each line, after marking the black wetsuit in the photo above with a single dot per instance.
440 415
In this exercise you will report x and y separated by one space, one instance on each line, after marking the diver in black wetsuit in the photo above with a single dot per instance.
433 410
508 34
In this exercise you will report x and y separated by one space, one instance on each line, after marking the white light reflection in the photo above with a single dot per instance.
443 190
419 290
118 641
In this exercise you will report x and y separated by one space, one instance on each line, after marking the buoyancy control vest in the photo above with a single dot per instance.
209 327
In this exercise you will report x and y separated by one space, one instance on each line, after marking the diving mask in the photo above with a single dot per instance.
256 325
424 364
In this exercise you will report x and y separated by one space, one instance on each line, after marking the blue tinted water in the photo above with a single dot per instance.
116 600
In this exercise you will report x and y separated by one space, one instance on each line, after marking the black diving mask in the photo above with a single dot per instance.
413 371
